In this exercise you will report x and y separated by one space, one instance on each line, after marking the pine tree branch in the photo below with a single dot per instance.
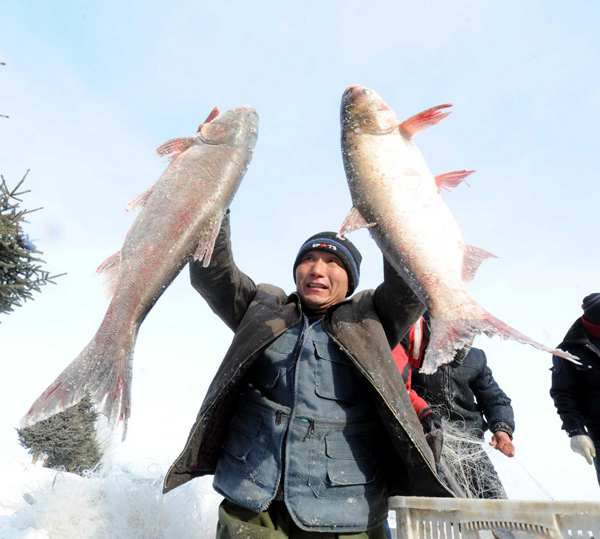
21 270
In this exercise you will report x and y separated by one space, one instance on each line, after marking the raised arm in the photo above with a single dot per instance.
227 290
397 306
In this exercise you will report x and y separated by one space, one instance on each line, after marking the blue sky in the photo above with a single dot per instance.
92 89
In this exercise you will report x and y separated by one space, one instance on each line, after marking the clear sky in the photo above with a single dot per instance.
92 89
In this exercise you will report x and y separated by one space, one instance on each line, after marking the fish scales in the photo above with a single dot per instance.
395 194
180 217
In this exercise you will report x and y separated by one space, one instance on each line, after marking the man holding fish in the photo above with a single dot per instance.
307 426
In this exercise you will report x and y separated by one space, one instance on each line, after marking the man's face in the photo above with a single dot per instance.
321 279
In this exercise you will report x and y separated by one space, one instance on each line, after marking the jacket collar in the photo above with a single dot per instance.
295 298
577 334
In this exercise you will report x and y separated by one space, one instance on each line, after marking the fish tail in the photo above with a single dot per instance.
451 334
103 370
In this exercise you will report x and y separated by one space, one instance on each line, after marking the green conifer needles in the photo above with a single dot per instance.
21 272
66 440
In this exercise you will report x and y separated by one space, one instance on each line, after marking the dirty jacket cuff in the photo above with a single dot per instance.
430 421
577 431
503 426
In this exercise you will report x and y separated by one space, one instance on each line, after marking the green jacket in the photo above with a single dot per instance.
365 326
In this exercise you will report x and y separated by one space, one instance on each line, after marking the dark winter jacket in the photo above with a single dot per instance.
466 393
576 388
364 327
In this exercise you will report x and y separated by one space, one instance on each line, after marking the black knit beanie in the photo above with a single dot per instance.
341 247
591 308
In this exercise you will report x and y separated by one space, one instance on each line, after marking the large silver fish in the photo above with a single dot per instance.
398 198
180 218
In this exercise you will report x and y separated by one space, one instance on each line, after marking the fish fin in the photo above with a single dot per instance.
450 180
424 119
472 259
177 145
354 220
139 201
449 335
206 245
104 371
213 114
110 269
174 146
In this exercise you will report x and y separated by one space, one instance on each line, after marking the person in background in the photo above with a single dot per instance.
576 388
466 393
430 421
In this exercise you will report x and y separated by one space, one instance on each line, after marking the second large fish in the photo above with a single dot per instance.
396 195
180 218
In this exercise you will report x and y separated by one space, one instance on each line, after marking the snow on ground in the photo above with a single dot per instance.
123 501
38 503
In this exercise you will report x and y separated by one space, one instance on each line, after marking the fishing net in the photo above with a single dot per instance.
465 465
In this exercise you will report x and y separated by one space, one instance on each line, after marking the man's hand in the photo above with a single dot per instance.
502 442
582 444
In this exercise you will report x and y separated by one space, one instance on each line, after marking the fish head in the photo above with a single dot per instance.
364 111
234 127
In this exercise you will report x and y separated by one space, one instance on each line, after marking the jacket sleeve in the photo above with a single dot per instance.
418 402
564 391
226 289
397 306
492 401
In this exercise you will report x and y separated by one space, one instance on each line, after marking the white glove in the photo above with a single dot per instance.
582 444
